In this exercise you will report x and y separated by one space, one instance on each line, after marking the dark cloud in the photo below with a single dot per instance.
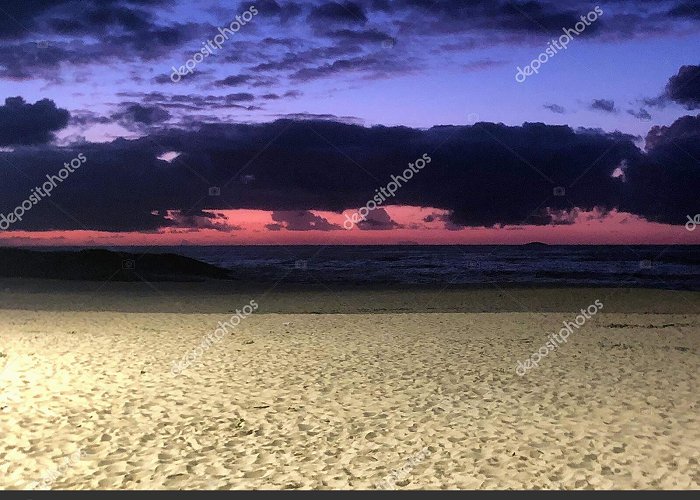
23 19
605 105
191 103
284 11
199 74
373 67
200 220
664 188
483 175
444 218
96 18
26 61
684 87
87 32
240 97
555 108
291 94
371 36
641 113
302 220
32 60
86 117
349 120
338 12
137 114
687 9
378 220
25 123
233 80
684 130
459 15
294 60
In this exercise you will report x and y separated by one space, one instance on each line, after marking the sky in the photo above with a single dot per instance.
167 122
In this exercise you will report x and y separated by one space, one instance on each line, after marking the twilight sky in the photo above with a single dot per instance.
219 122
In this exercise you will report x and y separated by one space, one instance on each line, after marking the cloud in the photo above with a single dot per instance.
664 188
336 12
372 67
342 37
444 218
85 32
687 9
302 220
555 108
370 36
605 105
137 114
482 175
240 97
240 80
683 130
378 220
292 94
86 117
284 11
233 80
200 220
191 103
642 114
322 116
24 123
684 87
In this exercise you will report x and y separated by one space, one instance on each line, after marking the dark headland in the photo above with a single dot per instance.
98 265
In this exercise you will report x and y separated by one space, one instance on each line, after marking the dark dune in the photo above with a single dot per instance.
98 265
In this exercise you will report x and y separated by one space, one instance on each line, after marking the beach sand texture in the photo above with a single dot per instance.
345 400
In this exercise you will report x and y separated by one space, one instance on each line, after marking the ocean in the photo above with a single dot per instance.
669 267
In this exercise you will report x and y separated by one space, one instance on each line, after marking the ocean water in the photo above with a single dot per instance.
671 267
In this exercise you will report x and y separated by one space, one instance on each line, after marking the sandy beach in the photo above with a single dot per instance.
360 390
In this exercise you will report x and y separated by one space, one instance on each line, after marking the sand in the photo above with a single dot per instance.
399 400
